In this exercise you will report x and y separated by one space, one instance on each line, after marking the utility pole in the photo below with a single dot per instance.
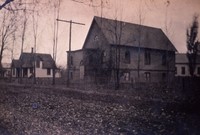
69 52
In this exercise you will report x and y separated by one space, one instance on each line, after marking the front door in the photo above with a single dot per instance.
25 72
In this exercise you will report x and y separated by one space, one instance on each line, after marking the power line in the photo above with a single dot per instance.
69 52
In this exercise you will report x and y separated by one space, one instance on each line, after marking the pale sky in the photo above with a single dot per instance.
155 13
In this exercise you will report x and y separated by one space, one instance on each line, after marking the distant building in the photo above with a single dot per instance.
6 70
24 66
114 46
182 65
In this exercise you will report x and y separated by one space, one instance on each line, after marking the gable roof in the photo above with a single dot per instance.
26 60
181 58
16 63
129 34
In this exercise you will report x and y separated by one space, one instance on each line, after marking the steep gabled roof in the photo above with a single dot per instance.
181 58
133 34
27 59
16 63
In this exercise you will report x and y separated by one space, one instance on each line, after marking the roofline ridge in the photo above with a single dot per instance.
131 23
35 53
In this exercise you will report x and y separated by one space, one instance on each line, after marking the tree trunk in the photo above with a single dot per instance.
54 72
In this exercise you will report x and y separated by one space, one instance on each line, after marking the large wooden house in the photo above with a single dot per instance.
126 52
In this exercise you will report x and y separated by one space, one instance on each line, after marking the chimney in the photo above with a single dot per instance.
31 49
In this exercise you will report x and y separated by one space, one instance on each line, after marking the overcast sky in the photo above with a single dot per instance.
155 13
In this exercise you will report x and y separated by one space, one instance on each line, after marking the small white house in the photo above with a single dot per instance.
182 65
25 65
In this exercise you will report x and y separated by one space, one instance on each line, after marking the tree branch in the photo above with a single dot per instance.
5 3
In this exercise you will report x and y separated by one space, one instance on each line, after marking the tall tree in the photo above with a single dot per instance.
141 17
56 12
192 44
8 27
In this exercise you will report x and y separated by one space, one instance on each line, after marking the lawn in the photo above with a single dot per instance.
38 110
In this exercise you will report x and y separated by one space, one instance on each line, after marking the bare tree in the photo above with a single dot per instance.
168 30
8 27
56 12
24 28
97 5
192 44
115 29
35 15
141 17
116 52
6 2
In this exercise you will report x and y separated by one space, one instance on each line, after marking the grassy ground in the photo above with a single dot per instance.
58 110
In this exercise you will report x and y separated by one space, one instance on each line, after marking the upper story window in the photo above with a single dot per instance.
198 70
103 56
81 62
164 59
182 70
147 58
37 63
71 60
91 60
127 57
164 77
71 75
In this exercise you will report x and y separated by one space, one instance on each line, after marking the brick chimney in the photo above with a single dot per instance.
31 49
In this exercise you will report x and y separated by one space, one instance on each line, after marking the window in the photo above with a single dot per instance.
18 72
71 60
96 38
164 59
48 71
127 57
71 75
164 77
31 70
125 76
91 59
147 76
182 70
13 71
81 62
82 72
175 70
37 63
198 70
25 72
103 56
147 58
